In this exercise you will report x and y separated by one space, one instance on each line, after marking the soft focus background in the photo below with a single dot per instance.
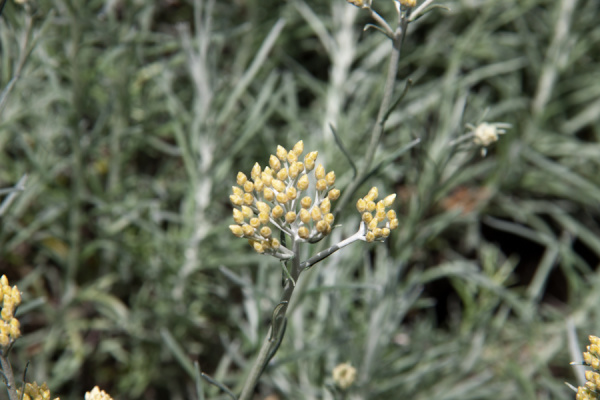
132 118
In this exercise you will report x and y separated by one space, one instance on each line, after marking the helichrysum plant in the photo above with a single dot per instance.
279 207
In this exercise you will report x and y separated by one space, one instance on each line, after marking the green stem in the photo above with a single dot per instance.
273 335
11 386
379 126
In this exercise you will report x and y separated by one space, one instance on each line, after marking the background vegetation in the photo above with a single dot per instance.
130 120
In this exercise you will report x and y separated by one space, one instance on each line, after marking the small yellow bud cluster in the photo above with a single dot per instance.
344 375
97 394
591 390
10 298
278 196
378 221
35 392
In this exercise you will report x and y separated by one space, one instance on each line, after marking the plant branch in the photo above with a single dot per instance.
379 126
275 333
11 386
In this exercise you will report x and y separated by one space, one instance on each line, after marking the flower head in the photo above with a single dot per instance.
377 220
35 392
280 197
10 298
97 394
344 375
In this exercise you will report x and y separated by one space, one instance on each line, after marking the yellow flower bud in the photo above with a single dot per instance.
385 232
13 330
248 230
263 217
258 247
281 153
291 193
256 170
274 163
277 211
236 200
408 3
237 191
292 157
254 222
321 185
275 243
265 231
16 295
391 214
377 232
294 170
290 217
247 212
309 160
329 218
316 214
236 230
369 237
325 205
282 174
238 217
330 178
372 195
333 194
306 202
259 185
248 199
373 224
267 178
302 182
367 217
261 206
320 172
298 148
241 178
278 185
380 215
269 194
361 205
389 200
393 224
281 198
371 206
323 227
303 232
305 216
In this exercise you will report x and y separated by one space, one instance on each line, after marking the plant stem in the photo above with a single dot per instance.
379 125
273 335
11 386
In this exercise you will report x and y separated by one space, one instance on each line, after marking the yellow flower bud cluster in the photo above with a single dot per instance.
591 390
97 394
281 196
378 221
10 298
344 375
35 392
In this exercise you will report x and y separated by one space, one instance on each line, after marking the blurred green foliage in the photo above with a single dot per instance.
130 120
